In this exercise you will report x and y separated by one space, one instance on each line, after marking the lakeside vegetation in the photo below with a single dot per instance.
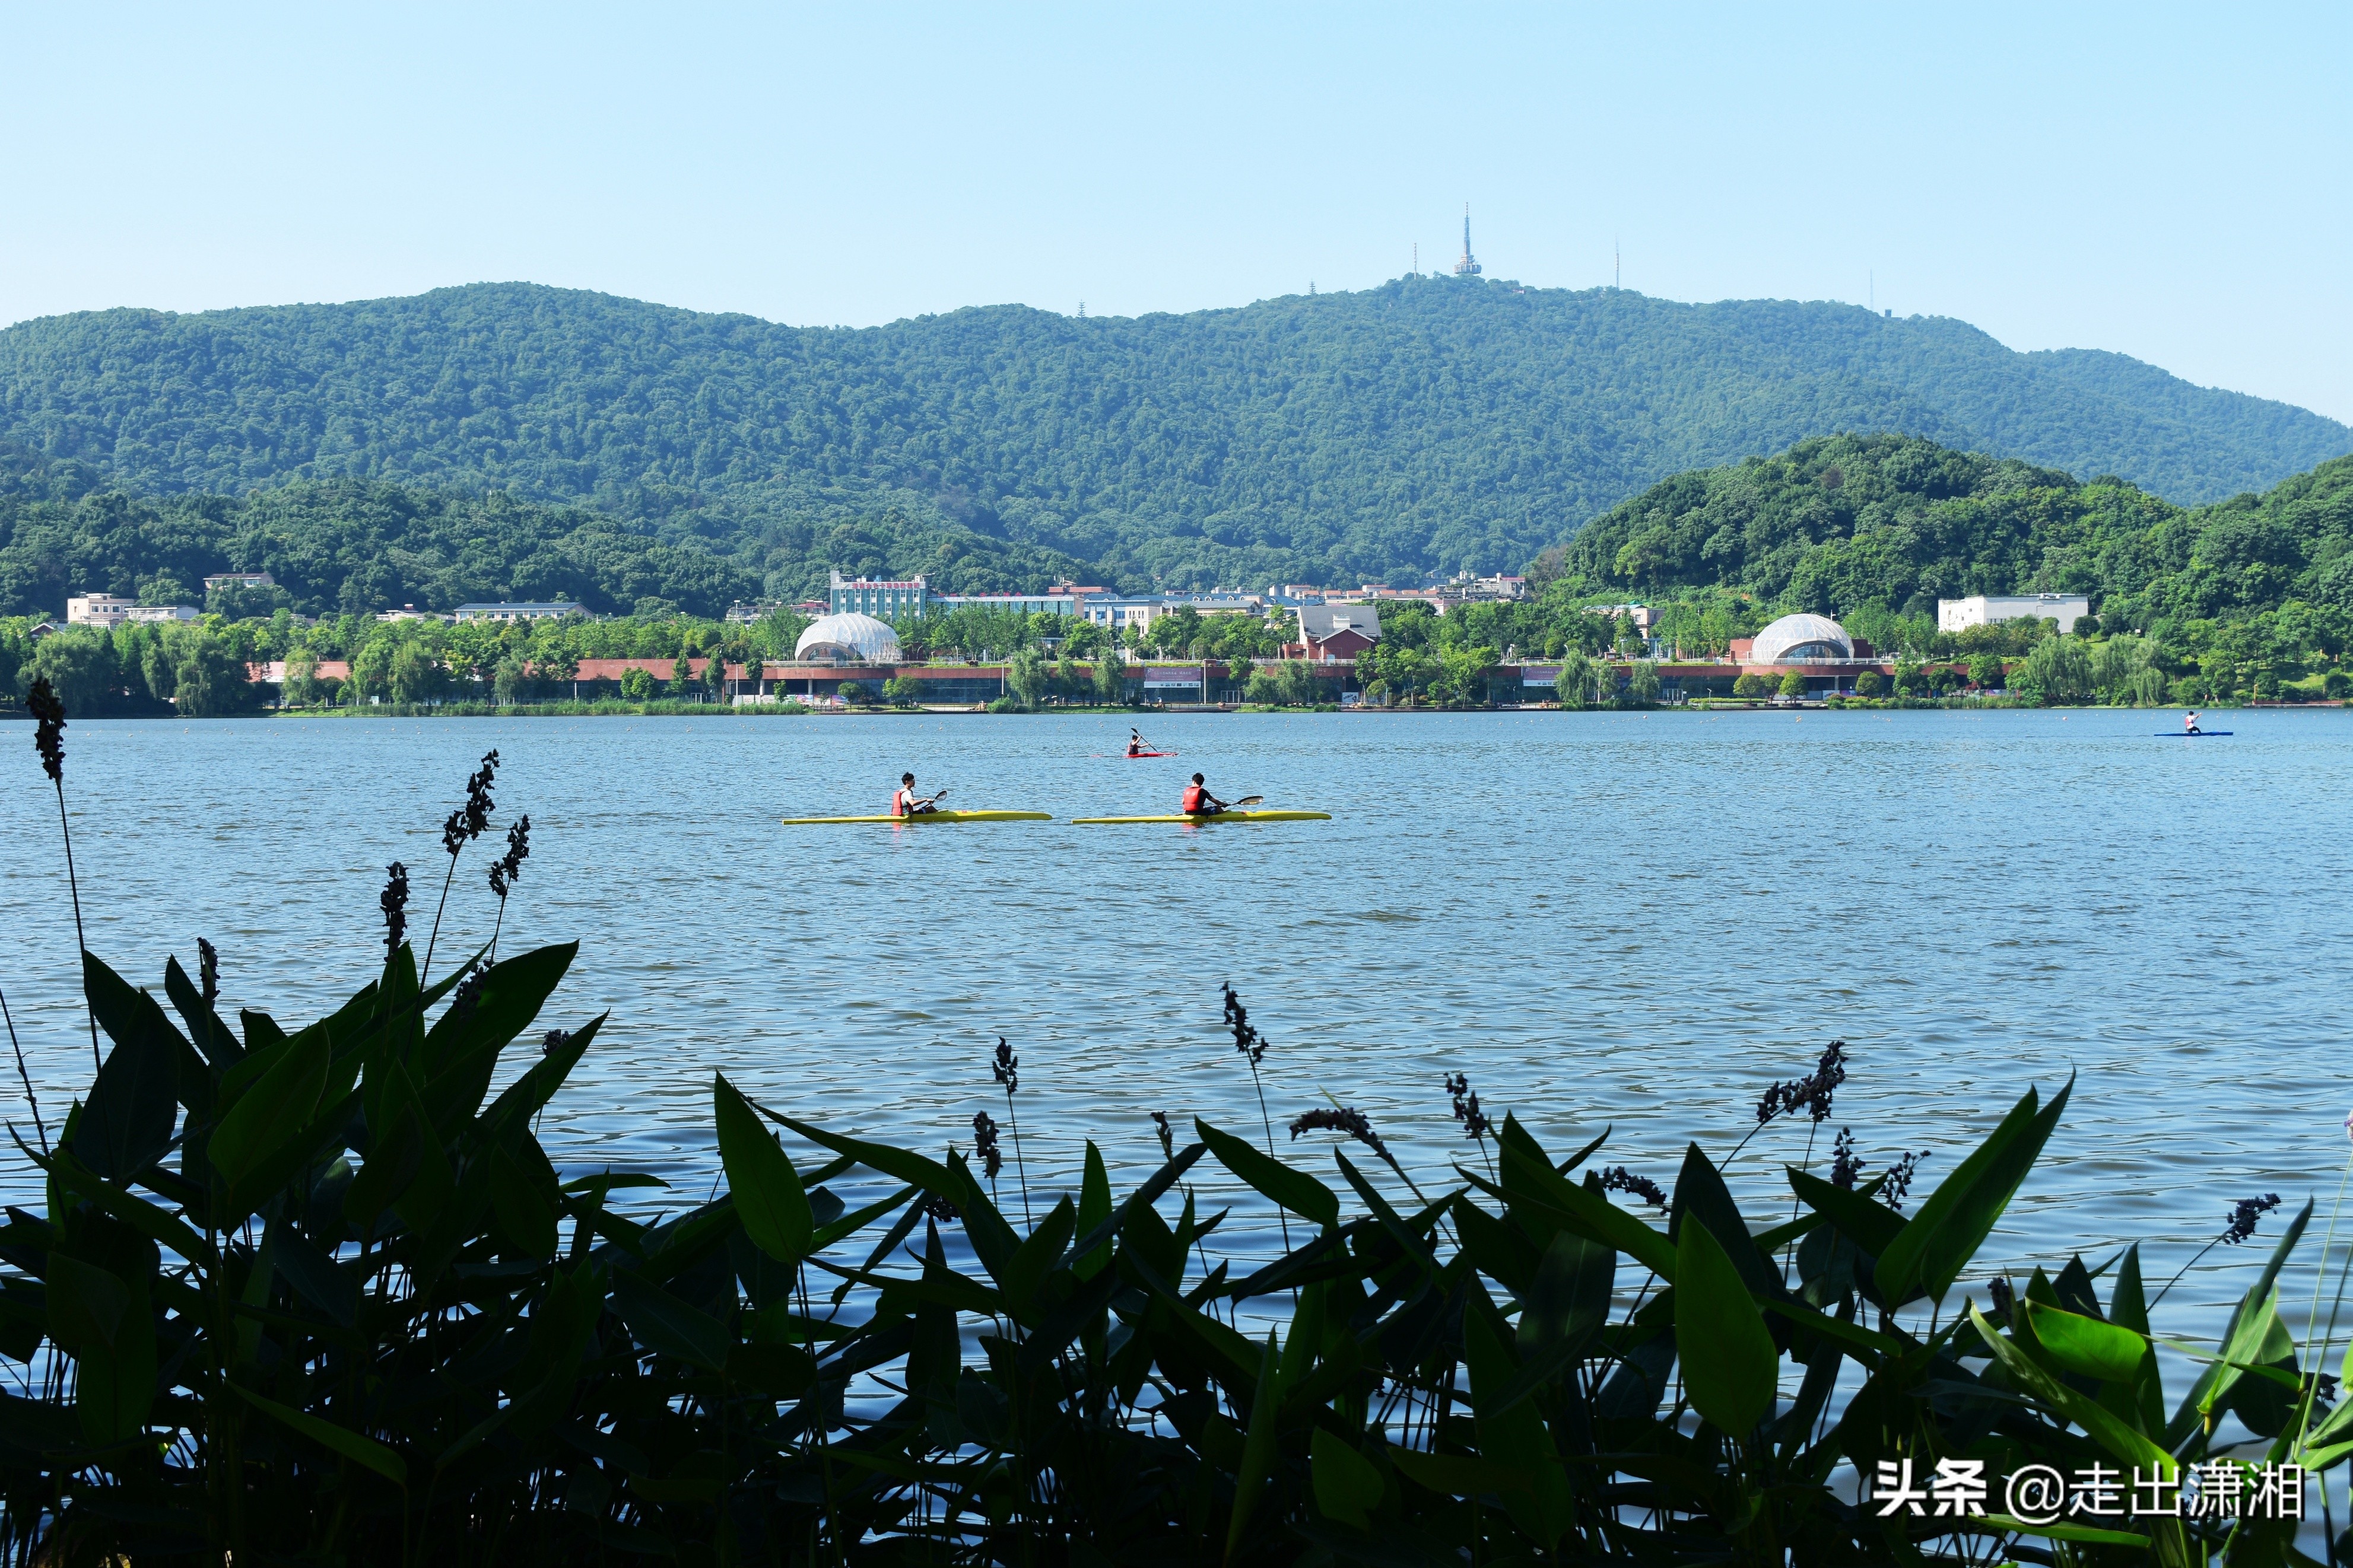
315 1294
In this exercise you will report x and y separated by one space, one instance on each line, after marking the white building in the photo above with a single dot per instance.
1990 609
533 610
105 611
151 614
239 580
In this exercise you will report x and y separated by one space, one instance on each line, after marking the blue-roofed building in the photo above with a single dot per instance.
526 610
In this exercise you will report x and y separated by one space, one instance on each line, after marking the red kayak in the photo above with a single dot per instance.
1151 754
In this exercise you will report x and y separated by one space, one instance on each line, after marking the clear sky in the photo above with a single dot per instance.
2170 181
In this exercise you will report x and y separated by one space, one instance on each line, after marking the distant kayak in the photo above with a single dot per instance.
1203 821
2189 735
928 817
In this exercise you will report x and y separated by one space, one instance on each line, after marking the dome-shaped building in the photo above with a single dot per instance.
847 640
1801 639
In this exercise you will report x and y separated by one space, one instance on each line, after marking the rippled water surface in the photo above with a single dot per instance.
1637 920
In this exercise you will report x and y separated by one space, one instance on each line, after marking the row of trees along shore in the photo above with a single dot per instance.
316 1292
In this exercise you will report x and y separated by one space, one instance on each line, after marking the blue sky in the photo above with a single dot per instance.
2166 181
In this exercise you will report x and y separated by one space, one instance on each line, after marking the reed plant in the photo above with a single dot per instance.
315 1294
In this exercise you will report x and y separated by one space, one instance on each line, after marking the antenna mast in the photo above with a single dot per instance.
1469 266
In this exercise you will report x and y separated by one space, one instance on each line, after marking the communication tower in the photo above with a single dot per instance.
1469 266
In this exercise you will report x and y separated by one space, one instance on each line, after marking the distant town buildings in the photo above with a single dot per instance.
525 610
239 580
1992 609
108 610
1332 632
105 611
886 599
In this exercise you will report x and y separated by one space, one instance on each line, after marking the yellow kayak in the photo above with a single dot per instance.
929 817
1210 817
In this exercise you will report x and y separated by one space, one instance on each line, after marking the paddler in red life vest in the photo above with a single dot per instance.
905 802
2189 724
1199 802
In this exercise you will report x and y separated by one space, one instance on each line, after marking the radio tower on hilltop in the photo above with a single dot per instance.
1469 266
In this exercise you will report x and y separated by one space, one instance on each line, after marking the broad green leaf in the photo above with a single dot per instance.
1258 1439
1528 1177
1347 1485
1955 1221
1038 1255
523 1212
86 1303
1094 1208
1296 1190
110 1330
1873 1227
668 1326
270 1113
1453 1475
1730 1367
1700 1194
2107 1428
126 1126
768 1195
1570 1296
351 1445
1511 1426
2086 1345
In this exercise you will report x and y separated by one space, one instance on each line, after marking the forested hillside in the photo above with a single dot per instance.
1874 529
1426 425
355 546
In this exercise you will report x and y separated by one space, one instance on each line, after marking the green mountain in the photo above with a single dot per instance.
1422 425
1864 528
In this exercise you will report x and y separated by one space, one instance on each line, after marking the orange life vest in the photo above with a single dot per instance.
1192 793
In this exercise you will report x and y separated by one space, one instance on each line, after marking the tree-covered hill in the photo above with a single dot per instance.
1844 524
1428 423
360 546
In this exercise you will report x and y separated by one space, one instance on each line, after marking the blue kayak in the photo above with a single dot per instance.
2189 735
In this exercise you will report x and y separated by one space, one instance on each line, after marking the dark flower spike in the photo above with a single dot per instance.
1343 1118
1247 1039
1167 1137
1899 1180
49 734
1007 1066
466 823
1844 1165
470 993
1813 1093
1618 1179
507 869
1476 1124
554 1041
2004 1295
208 971
984 1144
2244 1215
395 901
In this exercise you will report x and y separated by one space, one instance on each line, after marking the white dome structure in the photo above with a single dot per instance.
847 640
1801 639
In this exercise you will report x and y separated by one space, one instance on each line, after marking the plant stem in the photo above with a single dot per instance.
27 1079
447 877
1019 1169
73 886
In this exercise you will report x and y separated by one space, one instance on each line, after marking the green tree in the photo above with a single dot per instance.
1753 685
1026 679
1642 681
1870 683
507 681
300 687
415 674
1111 677
1793 685
1985 672
1573 686
681 675
637 684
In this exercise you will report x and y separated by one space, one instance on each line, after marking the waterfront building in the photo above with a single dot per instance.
1332 632
527 610
849 639
105 611
1992 609
1799 639
1019 603
887 599
157 615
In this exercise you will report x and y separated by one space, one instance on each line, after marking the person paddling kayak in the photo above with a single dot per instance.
2189 724
1135 743
905 802
1199 802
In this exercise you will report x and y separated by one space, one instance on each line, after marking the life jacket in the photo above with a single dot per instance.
1192 793
899 802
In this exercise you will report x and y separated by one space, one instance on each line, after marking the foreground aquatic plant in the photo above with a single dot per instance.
466 824
49 713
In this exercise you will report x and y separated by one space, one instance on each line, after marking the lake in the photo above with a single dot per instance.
1637 920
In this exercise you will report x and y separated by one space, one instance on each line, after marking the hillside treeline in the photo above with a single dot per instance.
1426 425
